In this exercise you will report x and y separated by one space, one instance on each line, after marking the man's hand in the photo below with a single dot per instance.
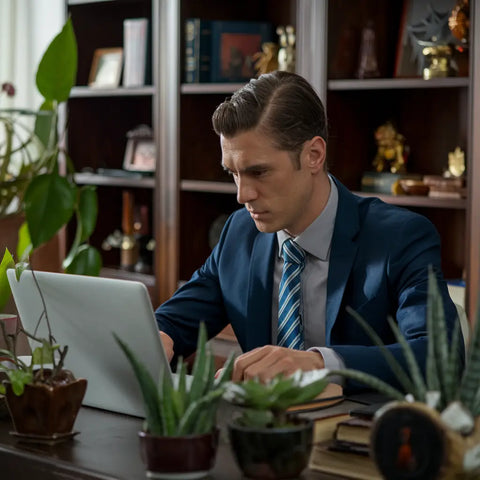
167 345
268 361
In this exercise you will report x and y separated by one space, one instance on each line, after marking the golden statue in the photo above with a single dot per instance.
456 162
266 60
391 150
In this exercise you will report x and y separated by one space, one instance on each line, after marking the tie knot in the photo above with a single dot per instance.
292 252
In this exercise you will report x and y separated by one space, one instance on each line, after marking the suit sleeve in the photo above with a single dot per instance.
199 300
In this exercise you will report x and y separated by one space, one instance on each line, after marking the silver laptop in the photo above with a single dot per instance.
84 312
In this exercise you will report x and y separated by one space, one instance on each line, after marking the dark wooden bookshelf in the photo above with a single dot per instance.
190 190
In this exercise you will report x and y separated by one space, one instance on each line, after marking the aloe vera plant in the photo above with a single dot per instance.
444 383
265 405
182 408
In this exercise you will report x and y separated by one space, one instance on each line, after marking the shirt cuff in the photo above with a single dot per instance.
332 361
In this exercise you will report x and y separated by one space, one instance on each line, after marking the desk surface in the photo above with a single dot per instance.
106 448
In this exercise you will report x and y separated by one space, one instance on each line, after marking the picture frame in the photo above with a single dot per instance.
234 44
106 68
140 152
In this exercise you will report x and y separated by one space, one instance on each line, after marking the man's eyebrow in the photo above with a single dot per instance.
251 168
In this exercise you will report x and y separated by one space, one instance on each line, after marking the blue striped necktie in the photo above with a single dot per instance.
290 332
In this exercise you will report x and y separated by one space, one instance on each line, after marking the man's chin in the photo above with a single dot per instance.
265 227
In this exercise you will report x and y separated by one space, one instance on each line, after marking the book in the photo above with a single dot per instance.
198 37
222 51
324 428
135 51
379 182
234 44
354 430
343 463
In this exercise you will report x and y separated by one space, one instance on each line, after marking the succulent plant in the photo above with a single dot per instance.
265 405
445 383
181 407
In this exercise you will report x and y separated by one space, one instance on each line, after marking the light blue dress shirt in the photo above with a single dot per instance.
315 240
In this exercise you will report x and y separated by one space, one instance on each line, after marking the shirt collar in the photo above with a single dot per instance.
317 237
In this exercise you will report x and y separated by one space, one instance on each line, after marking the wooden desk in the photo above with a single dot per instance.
105 449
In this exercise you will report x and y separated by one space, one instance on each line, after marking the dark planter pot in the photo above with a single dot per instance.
45 410
188 457
273 453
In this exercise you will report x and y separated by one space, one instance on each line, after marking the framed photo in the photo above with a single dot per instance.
106 68
233 46
140 153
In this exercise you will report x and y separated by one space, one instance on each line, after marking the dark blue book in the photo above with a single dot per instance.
198 38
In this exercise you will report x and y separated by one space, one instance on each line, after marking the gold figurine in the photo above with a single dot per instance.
266 60
456 162
391 150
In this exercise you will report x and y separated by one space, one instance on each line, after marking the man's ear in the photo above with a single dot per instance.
316 154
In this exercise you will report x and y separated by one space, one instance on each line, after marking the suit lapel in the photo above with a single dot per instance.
259 308
342 254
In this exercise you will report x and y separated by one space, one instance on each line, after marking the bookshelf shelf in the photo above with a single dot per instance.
205 186
88 92
107 180
206 88
398 83
419 201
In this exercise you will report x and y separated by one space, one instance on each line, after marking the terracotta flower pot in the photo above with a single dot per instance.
46 410
272 453
187 457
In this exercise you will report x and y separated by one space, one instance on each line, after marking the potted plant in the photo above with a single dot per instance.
268 442
42 397
432 429
179 434
32 159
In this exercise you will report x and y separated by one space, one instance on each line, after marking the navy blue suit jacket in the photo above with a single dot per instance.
379 262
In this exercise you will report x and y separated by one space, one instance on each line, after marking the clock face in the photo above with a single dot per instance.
408 444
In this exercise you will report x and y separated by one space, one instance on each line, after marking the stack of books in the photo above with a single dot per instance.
445 187
342 447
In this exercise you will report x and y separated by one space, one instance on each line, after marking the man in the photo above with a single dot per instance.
355 251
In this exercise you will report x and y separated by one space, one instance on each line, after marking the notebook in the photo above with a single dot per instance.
84 312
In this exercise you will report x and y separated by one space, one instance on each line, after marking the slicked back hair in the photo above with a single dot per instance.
282 105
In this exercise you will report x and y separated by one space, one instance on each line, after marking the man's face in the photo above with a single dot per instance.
277 194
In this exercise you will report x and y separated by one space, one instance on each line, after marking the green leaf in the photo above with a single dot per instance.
7 262
469 389
147 387
49 203
370 381
46 125
44 354
24 245
453 365
86 261
57 70
87 211
18 379
437 353
201 366
420 389
397 369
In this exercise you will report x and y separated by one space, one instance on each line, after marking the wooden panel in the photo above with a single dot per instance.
198 212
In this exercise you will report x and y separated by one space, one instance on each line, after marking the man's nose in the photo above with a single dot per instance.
245 191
